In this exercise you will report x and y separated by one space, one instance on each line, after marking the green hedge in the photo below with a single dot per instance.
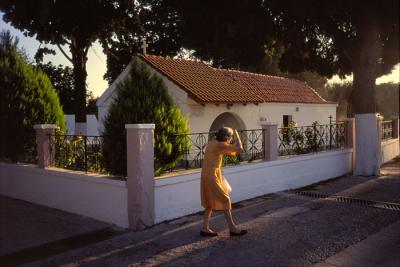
27 98
143 98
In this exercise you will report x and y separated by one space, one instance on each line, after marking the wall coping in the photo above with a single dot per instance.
270 123
188 177
44 126
140 126
66 174
389 141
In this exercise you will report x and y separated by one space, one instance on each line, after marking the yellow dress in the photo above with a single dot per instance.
213 194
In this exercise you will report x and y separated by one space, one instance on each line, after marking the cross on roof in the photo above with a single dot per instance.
144 46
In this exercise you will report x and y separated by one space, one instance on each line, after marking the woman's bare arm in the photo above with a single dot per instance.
238 141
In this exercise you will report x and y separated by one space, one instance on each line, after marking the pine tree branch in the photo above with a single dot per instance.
86 50
65 54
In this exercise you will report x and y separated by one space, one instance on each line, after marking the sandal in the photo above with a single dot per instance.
202 233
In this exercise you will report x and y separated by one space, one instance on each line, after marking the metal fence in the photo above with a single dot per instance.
85 153
308 139
196 143
386 130
77 152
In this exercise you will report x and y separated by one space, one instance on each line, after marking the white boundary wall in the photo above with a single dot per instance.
95 196
389 149
176 196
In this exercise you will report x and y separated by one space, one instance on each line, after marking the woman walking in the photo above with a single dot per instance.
214 190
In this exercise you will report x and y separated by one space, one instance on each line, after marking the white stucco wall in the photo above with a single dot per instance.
95 196
389 149
202 116
91 125
102 113
176 196
70 123
80 128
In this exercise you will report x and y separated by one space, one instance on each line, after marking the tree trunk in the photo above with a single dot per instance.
367 149
79 59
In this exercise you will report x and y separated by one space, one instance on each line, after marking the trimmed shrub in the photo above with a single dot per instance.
143 98
27 98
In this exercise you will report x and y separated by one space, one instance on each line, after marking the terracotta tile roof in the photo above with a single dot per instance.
275 89
209 85
201 81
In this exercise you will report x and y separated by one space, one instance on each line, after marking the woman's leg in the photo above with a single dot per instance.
229 220
206 221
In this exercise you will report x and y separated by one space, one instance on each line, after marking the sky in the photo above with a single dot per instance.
96 65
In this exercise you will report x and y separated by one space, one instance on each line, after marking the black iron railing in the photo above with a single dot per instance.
253 145
308 139
386 130
77 152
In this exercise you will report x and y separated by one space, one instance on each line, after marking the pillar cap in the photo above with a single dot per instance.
45 126
270 123
140 126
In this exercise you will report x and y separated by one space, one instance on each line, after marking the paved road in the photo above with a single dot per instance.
24 225
285 229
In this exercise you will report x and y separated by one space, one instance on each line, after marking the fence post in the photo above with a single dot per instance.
395 127
140 175
43 143
379 122
350 133
351 139
270 141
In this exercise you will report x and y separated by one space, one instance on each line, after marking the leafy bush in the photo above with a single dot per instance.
27 98
143 98
79 153
311 140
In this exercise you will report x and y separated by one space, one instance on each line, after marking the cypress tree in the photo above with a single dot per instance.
143 98
27 98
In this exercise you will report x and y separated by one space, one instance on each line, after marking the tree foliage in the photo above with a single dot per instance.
61 78
236 34
76 24
27 98
229 33
340 37
387 99
143 98
152 20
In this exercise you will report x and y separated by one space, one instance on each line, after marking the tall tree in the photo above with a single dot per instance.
343 37
62 79
140 91
74 23
27 98
152 20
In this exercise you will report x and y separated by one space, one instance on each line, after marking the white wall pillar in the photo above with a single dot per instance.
270 141
350 138
43 143
368 145
140 175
